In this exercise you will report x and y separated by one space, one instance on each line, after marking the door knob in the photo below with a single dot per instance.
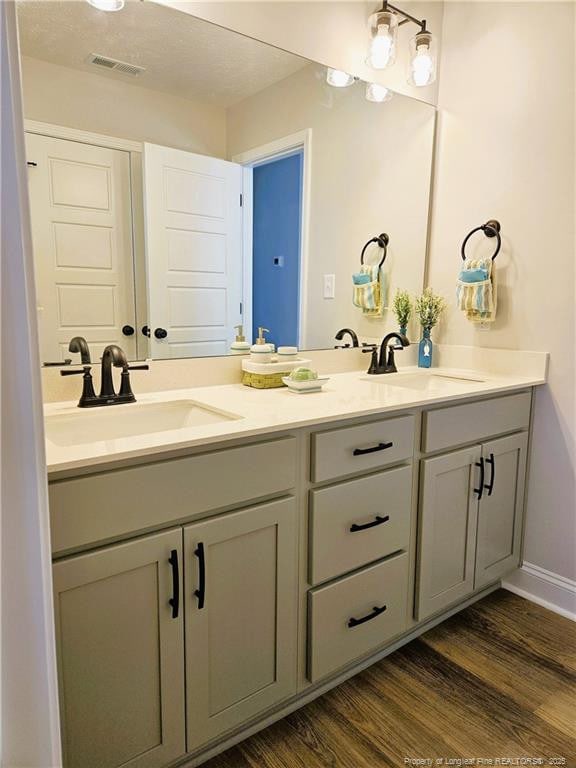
128 330
160 333
146 331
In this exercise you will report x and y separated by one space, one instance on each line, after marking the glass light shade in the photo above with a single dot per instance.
107 5
384 31
378 93
338 79
422 64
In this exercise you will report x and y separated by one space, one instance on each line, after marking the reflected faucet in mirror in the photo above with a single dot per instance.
385 363
79 345
340 335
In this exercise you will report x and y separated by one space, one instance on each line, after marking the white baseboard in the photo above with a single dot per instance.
548 589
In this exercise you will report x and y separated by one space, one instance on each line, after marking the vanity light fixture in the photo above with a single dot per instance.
107 5
384 30
378 93
382 52
338 79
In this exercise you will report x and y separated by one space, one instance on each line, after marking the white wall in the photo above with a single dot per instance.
335 34
506 151
90 102
29 725
370 173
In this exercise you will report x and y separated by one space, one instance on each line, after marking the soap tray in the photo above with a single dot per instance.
268 375
284 366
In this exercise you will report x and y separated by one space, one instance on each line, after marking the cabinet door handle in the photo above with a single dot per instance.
490 486
377 521
481 486
201 591
374 449
175 599
375 612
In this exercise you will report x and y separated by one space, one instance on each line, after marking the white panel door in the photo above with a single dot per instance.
82 237
193 251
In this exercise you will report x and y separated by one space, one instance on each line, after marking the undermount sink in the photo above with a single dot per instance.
121 421
434 383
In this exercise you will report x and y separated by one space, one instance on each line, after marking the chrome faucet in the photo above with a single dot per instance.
113 356
385 363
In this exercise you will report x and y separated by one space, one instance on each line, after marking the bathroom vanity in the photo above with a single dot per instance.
210 580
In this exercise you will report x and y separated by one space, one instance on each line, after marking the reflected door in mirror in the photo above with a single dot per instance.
193 229
82 242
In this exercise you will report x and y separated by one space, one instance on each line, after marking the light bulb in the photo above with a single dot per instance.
107 5
338 79
382 50
378 93
422 66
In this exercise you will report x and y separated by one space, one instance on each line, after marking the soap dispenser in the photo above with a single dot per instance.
240 346
262 351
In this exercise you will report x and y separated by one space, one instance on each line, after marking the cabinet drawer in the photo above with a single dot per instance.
344 451
460 424
357 522
112 504
346 619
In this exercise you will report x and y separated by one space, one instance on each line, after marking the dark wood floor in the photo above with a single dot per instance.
495 681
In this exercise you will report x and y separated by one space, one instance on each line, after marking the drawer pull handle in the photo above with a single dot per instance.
377 521
201 591
490 486
374 449
481 486
375 612
175 599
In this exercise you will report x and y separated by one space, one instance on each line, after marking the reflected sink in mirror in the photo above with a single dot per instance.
432 383
121 421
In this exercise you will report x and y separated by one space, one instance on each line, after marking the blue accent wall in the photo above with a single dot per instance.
277 202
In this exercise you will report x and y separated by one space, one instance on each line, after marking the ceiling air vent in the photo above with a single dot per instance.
114 65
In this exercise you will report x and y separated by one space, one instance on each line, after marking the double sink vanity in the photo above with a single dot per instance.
223 555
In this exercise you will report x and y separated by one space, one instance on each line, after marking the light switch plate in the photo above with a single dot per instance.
329 286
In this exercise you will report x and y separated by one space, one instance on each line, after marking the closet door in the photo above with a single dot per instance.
241 592
193 224
81 214
121 654
500 512
447 535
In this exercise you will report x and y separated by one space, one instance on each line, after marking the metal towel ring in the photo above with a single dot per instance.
490 229
382 241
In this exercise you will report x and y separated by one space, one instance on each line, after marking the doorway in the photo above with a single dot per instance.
276 192
276 245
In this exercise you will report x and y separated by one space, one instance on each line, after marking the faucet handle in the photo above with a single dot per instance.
143 367
78 372
373 350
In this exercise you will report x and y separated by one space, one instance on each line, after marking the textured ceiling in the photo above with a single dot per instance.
183 55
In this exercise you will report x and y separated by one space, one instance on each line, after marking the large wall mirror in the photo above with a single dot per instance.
185 180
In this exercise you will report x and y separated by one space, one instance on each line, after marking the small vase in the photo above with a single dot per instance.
425 350
403 330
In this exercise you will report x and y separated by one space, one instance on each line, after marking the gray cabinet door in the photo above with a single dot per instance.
447 532
241 593
500 511
121 655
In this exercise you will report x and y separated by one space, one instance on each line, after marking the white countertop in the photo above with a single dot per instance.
346 395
